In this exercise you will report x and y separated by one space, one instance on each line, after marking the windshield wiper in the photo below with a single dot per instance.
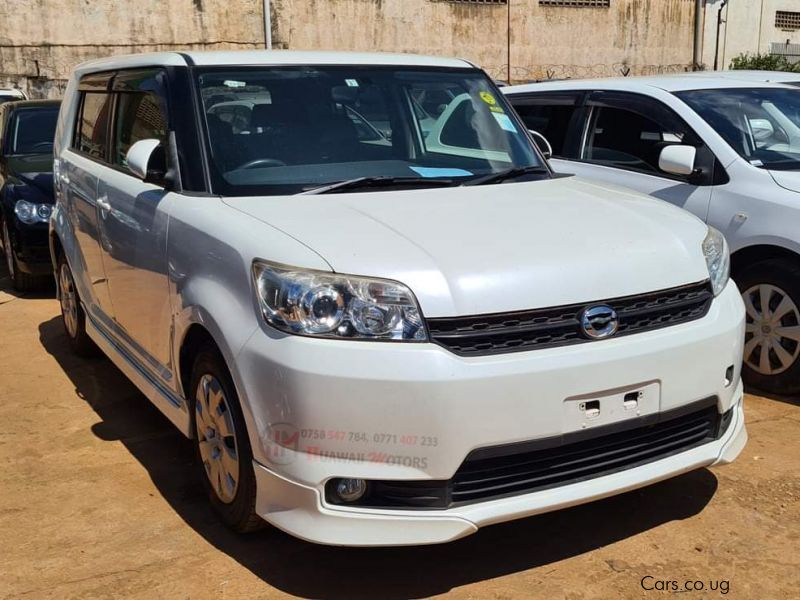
512 173
378 181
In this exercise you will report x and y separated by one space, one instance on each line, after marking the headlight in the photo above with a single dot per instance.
329 305
718 259
30 213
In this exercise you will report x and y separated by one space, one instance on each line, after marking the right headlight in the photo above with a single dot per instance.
329 305
718 259
30 212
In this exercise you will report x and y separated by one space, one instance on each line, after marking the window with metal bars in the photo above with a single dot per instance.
785 19
576 3
473 1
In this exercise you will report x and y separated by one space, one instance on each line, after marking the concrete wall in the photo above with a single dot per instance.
635 36
748 27
41 40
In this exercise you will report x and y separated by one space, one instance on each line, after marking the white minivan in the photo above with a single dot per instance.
725 146
356 285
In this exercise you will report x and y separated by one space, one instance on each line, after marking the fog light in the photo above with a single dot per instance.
350 490
729 376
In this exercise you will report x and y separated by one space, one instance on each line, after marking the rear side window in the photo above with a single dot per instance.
552 121
140 116
92 133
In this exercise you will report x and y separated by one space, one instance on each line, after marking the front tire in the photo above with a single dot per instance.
221 443
22 282
771 293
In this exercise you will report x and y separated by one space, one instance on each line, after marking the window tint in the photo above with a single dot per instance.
551 120
140 116
92 136
32 131
627 139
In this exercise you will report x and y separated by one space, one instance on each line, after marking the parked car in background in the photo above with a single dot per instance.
26 189
391 334
11 95
726 150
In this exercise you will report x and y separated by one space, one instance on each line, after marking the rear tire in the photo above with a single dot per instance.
221 442
771 292
72 315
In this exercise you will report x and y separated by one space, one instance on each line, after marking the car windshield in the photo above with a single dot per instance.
31 130
286 130
761 124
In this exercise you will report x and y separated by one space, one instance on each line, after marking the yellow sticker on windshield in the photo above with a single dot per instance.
488 98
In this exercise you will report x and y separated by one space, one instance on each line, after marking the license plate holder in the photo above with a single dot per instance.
605 408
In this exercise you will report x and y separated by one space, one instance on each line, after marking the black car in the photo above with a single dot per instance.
27 129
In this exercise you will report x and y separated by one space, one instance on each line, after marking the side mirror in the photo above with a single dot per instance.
145 159
541 142
762 129
677 159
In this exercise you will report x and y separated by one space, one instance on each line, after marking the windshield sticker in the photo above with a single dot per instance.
488 98
351 82
505 122
234 84
440 172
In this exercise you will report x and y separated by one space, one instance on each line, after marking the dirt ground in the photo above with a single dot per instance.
99 499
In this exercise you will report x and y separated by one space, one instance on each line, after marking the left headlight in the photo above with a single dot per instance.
718 259
30 212
329 305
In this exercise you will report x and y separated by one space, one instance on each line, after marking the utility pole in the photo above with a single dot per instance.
719 24
508 42
267 25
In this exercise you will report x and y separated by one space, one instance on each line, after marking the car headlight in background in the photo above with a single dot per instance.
718 259
329 305
30 213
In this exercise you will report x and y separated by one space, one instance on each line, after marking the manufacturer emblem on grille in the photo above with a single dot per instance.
598 322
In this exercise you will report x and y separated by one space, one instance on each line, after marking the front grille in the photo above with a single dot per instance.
514 469
560 326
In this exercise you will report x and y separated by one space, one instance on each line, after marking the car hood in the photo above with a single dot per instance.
35 170
789 180
498 248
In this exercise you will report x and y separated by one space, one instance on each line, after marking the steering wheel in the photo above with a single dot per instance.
261 162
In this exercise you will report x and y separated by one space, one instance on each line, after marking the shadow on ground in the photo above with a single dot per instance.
314 571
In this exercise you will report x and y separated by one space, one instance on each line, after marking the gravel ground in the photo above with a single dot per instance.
99 499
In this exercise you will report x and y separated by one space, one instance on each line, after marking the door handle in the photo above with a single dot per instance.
64 179
103 203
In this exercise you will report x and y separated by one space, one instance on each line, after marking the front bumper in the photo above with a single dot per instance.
415 411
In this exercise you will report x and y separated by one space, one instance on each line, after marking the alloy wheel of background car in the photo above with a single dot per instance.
771 294
773 329
216 438
221 442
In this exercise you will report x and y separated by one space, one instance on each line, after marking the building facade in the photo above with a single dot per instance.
520 40
751 26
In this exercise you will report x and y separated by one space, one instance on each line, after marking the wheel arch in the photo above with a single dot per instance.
749 255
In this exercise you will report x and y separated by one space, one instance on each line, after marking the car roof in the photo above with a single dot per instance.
267 58
746 75
32 104
670 83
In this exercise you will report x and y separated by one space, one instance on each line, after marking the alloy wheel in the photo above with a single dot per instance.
216 438
772 331
69 300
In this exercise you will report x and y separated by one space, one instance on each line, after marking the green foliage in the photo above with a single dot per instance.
763 62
